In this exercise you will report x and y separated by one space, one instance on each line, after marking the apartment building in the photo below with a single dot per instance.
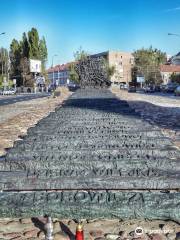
59 74
167 71
123 63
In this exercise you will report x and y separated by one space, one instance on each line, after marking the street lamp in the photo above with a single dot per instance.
174 34
55 55
2 62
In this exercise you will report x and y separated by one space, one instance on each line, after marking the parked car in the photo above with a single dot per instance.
177 91
162 87
124 86
157 88
149 89
9 91
73 87
131 89
170 87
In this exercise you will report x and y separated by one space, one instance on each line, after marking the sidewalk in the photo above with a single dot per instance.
159 110
16 118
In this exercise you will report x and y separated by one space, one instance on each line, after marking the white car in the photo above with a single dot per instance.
9 92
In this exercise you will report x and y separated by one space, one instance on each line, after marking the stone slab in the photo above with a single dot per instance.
92 204
94 144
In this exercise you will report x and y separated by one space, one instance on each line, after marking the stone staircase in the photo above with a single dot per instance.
93 157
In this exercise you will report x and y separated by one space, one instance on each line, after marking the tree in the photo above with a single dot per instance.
4 64
24 45
80 54
15 57
111 70
30 47
33 38
147 62
175 78
24 71
43 52
73 75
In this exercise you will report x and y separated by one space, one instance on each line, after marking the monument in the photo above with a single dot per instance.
93 72
93 157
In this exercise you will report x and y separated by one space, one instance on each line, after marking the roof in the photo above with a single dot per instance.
170 68
178 54
102 54
59 68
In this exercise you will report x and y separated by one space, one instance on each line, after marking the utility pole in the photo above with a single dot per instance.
2 60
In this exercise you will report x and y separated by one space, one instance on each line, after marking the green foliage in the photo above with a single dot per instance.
24 45
4 61
30 47
1 81
10 83
33 39
15 57
80 54
175 78
43 53
147 62
111 70
73 76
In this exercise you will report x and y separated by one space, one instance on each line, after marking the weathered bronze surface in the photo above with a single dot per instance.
93 72
95 157
92 204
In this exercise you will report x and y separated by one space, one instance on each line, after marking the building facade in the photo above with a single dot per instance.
59 74
123 63
167 71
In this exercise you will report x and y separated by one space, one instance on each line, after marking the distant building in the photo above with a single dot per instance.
167 71
175 60
123 63
59 74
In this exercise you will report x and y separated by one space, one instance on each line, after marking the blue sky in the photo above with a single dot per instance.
96 25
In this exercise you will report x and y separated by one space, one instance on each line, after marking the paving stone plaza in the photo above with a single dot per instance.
92 157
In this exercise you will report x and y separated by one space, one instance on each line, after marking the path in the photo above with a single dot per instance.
95 157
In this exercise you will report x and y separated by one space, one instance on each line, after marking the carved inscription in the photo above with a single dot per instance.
93 157
96 172
91 204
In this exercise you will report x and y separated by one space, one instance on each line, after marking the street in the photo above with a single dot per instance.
6 100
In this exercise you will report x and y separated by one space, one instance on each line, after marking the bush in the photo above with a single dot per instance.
175 78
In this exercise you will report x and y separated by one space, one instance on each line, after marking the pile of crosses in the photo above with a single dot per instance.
93 72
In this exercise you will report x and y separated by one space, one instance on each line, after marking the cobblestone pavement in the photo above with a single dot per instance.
161 110
16 118
106 229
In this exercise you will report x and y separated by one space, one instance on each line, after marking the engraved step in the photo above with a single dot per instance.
94 157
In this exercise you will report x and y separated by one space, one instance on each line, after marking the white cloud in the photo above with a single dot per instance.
172 9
